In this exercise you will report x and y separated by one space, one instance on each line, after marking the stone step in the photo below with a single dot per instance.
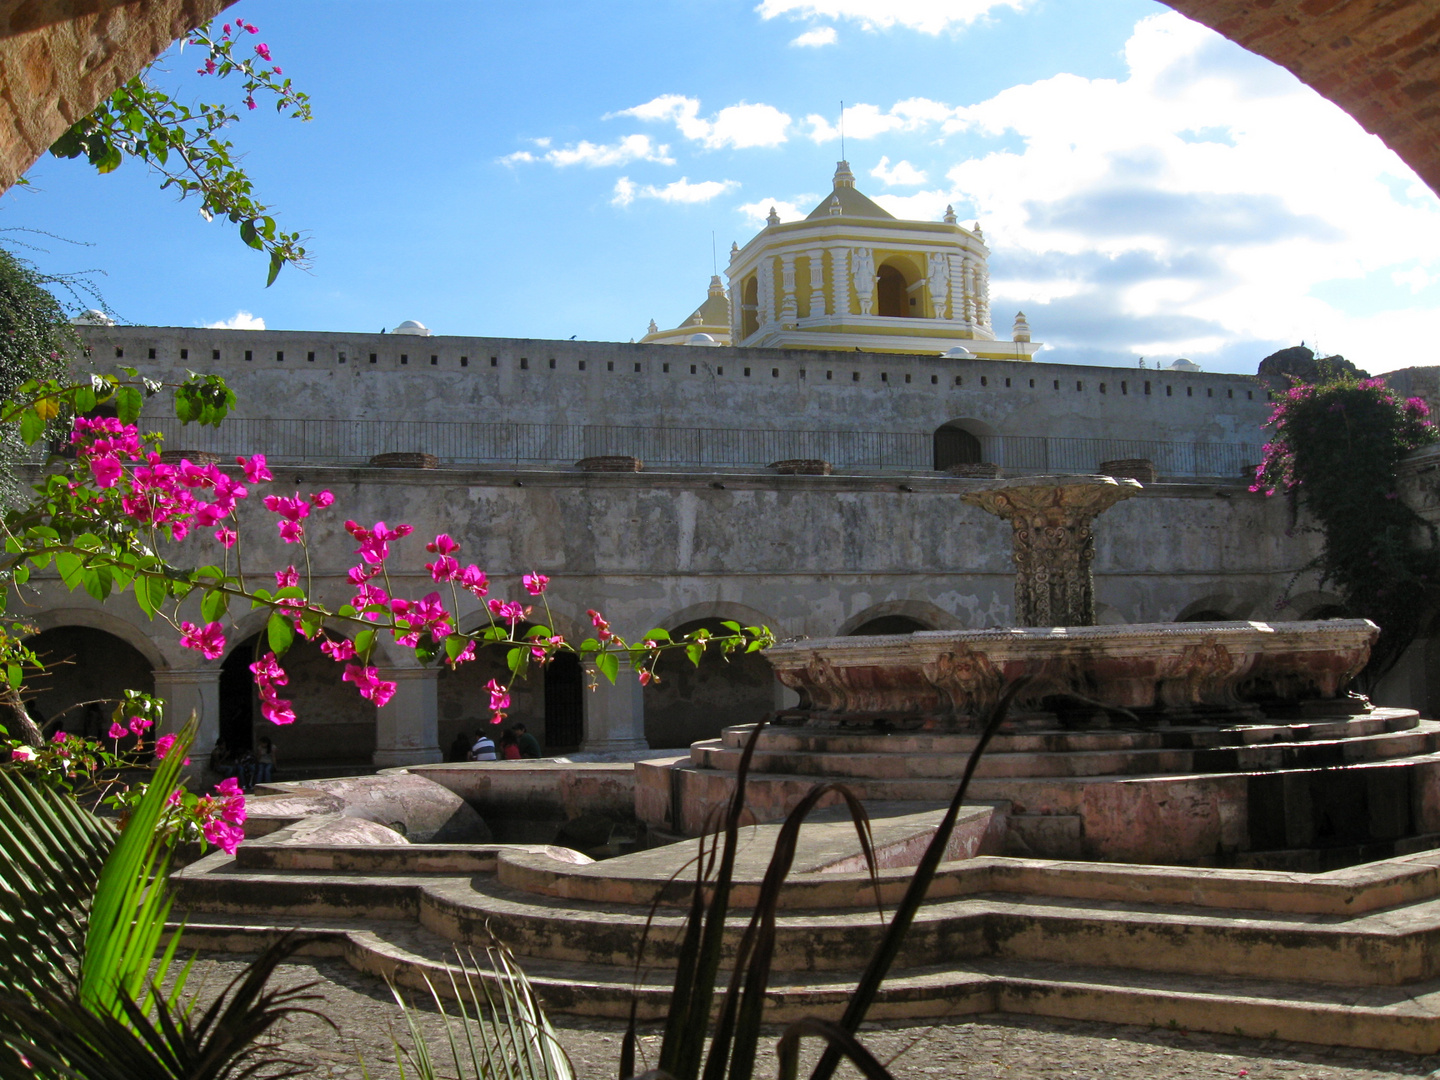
714 754
1403 1019
1376 948
782 738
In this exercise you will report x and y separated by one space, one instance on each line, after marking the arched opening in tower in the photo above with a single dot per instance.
691 703
889 624
954 445
87 672
891 295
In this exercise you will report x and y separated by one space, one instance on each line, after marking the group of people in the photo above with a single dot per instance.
250 767
515 742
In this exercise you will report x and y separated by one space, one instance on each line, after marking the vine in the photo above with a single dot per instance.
1336 452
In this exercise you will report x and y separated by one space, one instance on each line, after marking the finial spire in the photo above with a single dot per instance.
950 218
772 218
843 176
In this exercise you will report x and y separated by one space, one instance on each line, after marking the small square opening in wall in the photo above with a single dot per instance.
984 380
854 376
1229 393
1249 395
957 381
1189 391
907 376
582 365
747 373
214 354
1124 387
434 360
249 355
404 359
637 368
609 365
774 373
1103 388
150 354
884 376
464 361
494 361
309 357
184 354
1007 384
119 353
524 363
802 373
279 356
665 369
374 359
1147 386
692 369
719 370
342 357
1209 391
552 363
829 374
934 380
1057 384
1079 386
1169 391
1032 384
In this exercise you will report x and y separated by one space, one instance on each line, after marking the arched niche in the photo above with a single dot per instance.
87 671
690 703
334 726
960 442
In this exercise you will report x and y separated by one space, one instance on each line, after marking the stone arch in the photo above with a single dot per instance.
1319 604
87 671
101 619
1216 607
923 614
690 703
960 442
334 728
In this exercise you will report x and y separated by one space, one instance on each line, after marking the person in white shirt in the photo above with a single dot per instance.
484 748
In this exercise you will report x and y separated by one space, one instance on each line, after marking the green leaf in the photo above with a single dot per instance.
518 660
97 581
31 427
455 645
214 606
364 642
733 627
695 651
14 675
84 399
608 664
276 262
128 402
658 633
157 589
249 236
69 566
280 633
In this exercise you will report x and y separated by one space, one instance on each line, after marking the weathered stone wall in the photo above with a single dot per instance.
331 377
59 58
1376 59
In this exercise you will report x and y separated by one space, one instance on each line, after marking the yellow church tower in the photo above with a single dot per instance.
853 276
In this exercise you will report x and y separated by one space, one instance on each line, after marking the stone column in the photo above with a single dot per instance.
765 291
817 281
1054 545
186 690
789 305
614 712
406 729
982 295
969 289
957 287
840 281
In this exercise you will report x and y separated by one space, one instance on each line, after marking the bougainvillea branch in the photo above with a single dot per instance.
1336 451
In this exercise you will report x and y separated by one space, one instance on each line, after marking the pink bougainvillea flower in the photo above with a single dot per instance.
207 640
602 628
106 469
442 545
139 725
22 753
339 651
367 680
535 583
268 669
375 543
226 536
475 581
277 710
256 471
444 568
323 499
163 745
287 578
118 730
464 655
499 695
263 51
647 677
224 835
510 611
59 736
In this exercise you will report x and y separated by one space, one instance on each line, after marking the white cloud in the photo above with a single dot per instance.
814 39
241 320
868 121
738 126
901 174
628 149
756 212
1135 236
926 16
679 191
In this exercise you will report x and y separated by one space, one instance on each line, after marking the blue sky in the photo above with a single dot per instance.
557 169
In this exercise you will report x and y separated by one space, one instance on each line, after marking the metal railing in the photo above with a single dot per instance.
348 442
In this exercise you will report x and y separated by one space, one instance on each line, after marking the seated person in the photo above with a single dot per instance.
483 748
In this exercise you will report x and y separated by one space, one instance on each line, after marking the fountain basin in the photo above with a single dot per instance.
1189 671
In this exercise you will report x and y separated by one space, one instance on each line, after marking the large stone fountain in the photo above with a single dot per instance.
1233 743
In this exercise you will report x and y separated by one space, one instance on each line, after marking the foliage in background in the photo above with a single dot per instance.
1336 452
34 339
182 142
